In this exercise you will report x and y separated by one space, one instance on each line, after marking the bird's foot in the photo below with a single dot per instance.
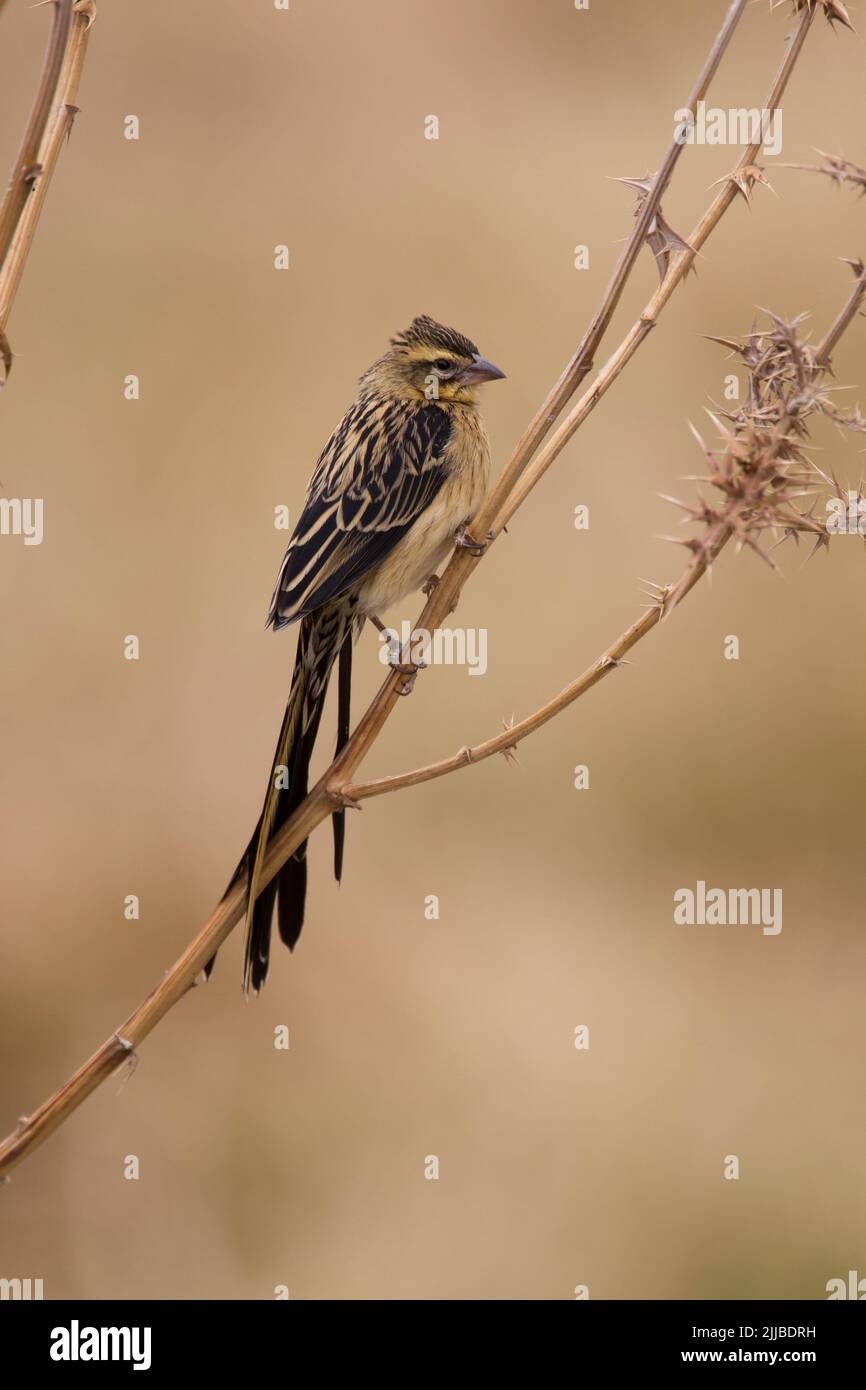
409 671
465 541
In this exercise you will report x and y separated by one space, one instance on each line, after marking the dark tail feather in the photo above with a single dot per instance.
291 881
320 639
258 943
343 706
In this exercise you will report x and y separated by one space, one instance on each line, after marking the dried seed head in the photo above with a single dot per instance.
762 467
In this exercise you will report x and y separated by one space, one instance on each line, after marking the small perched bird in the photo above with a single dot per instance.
394 489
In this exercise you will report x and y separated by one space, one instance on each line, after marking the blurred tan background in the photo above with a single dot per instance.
411 1037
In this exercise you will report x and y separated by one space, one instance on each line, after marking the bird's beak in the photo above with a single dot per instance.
480 370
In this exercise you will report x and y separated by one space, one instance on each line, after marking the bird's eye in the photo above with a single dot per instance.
442 364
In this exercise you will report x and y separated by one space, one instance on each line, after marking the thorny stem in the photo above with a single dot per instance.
847 313
582 361
24 168
679 267
333 788
25 197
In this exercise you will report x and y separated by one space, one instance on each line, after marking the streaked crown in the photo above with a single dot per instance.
424 332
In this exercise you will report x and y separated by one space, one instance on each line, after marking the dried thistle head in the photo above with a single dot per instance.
761 470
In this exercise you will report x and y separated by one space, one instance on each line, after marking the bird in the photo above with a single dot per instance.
394 489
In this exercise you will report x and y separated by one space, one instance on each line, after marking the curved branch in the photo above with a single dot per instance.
36 176
23 170
581 363
679 268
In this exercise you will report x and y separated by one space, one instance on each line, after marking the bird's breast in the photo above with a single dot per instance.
431 537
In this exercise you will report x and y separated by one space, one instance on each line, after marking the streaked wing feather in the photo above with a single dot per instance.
381 468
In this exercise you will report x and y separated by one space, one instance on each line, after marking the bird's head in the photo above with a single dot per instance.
428 361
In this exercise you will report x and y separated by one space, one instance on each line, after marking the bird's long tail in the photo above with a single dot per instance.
322 637
344 684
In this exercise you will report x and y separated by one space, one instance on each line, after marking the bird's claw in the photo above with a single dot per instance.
409 670
465 541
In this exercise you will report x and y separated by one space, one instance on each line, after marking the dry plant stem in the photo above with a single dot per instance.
329 791
846 316
582 361
679 268
25 164
59 126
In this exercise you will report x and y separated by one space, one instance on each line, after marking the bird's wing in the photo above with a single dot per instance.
380 469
